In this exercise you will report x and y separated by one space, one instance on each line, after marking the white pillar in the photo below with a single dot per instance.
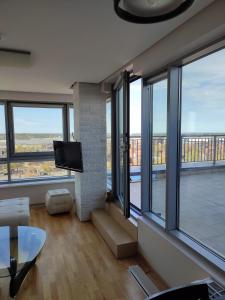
90 130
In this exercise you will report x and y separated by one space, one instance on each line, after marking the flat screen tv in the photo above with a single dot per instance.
68 155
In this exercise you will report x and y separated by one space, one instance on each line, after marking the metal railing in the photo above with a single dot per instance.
194 148
203 148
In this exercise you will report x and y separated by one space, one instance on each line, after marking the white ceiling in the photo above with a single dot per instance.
73 40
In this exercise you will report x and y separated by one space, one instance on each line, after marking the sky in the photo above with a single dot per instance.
135 107
203 95
159 107
159 123
2 119
108 118
36 120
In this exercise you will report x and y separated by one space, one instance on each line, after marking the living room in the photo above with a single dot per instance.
134 92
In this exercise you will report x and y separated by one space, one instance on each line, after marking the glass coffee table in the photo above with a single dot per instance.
18 254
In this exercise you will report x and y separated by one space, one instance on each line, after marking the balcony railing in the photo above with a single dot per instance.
195 148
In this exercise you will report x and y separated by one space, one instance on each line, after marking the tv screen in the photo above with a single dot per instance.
68 155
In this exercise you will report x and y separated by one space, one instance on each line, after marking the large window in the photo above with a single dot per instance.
177 158
159 138
202 200
31 131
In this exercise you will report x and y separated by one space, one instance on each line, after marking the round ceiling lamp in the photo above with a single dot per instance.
150 11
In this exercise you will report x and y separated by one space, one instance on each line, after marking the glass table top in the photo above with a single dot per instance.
24 248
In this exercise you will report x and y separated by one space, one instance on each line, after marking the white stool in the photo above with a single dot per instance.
14 212
58 201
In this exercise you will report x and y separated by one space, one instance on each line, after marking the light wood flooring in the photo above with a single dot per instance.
76 264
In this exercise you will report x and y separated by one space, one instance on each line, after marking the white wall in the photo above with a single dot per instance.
175 262
35 190
35 97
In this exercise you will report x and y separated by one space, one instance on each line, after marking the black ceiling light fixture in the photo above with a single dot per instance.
150 11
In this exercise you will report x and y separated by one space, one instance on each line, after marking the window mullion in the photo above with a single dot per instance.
114 143
146 148
173 127
66 120
10 130
8 137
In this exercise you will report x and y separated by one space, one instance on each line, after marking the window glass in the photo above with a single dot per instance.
202 200
135 143
3 152
3 172
37 169
72 125
109 142
159 139
35 128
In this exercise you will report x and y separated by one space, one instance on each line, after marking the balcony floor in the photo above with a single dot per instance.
202 205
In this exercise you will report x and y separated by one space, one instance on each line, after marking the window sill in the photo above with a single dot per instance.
37 182
203 257
134 214
155 219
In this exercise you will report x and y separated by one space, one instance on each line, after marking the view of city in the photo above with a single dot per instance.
30 143
195 148
35 142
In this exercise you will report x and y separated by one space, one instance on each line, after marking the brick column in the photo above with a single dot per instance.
90 130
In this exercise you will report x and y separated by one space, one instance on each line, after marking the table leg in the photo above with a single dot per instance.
18 277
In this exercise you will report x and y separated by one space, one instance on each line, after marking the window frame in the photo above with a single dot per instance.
136 210
13 157
21 155
4 159
171 225
174 77
147 135
123 202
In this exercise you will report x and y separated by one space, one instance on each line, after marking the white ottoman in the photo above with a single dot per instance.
15 212
58 201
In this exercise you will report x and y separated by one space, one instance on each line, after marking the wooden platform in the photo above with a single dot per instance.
76 264
119 241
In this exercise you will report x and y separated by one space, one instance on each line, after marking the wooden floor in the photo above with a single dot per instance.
76 264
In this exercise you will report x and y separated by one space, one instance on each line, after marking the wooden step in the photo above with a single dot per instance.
129 225
118 240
